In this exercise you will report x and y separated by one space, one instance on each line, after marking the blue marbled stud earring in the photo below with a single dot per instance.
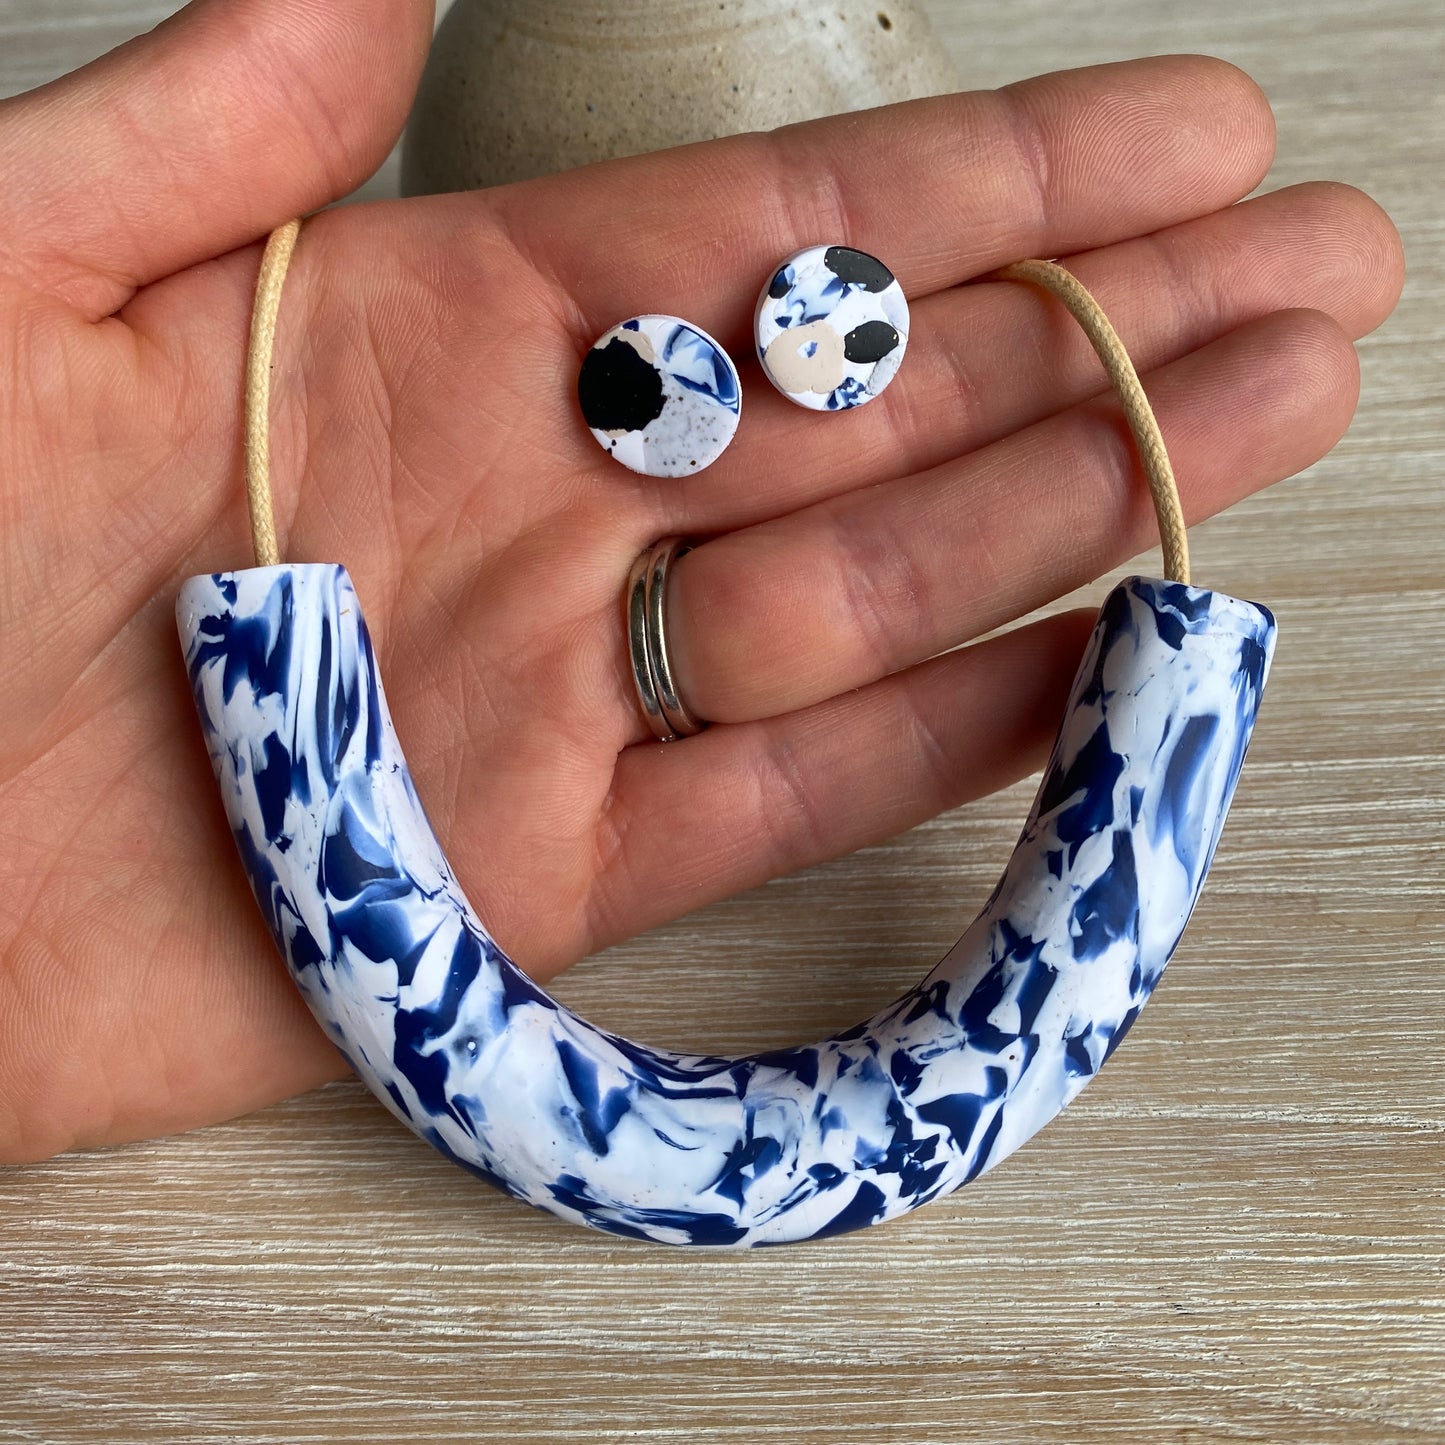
660 395
831 327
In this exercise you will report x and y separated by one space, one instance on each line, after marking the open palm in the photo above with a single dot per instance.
425 434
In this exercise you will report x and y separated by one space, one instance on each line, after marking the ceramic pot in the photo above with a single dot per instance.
522 88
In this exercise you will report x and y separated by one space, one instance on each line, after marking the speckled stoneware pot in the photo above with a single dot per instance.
522 88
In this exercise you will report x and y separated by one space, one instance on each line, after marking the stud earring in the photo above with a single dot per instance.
831 327
660 395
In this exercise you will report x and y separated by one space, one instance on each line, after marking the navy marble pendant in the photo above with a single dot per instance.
660 395
831 327
798 1143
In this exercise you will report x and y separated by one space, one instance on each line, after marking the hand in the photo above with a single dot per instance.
426 435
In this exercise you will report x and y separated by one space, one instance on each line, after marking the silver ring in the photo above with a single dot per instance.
666 713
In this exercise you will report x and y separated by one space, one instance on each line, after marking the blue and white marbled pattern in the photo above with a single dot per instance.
795 1144
831 327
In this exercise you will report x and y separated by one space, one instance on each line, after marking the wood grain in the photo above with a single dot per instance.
1238 1232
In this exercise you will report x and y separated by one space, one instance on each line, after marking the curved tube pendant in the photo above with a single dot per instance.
686 1149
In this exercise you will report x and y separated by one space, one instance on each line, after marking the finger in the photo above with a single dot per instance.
694 822
940 189
988 359
228 119
776 616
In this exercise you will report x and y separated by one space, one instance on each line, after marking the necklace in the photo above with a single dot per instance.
798 1143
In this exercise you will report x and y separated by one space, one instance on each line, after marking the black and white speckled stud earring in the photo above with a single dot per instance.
660 395
831 327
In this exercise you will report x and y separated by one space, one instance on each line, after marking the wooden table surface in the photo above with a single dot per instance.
1238 1231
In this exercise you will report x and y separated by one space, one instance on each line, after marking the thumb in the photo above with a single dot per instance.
229 118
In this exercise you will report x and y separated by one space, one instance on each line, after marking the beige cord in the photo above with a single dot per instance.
1086 311
258 390
1051 277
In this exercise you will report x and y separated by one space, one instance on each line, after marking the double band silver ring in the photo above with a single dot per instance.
667 715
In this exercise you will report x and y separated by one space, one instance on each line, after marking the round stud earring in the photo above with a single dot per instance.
660 395
831 327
